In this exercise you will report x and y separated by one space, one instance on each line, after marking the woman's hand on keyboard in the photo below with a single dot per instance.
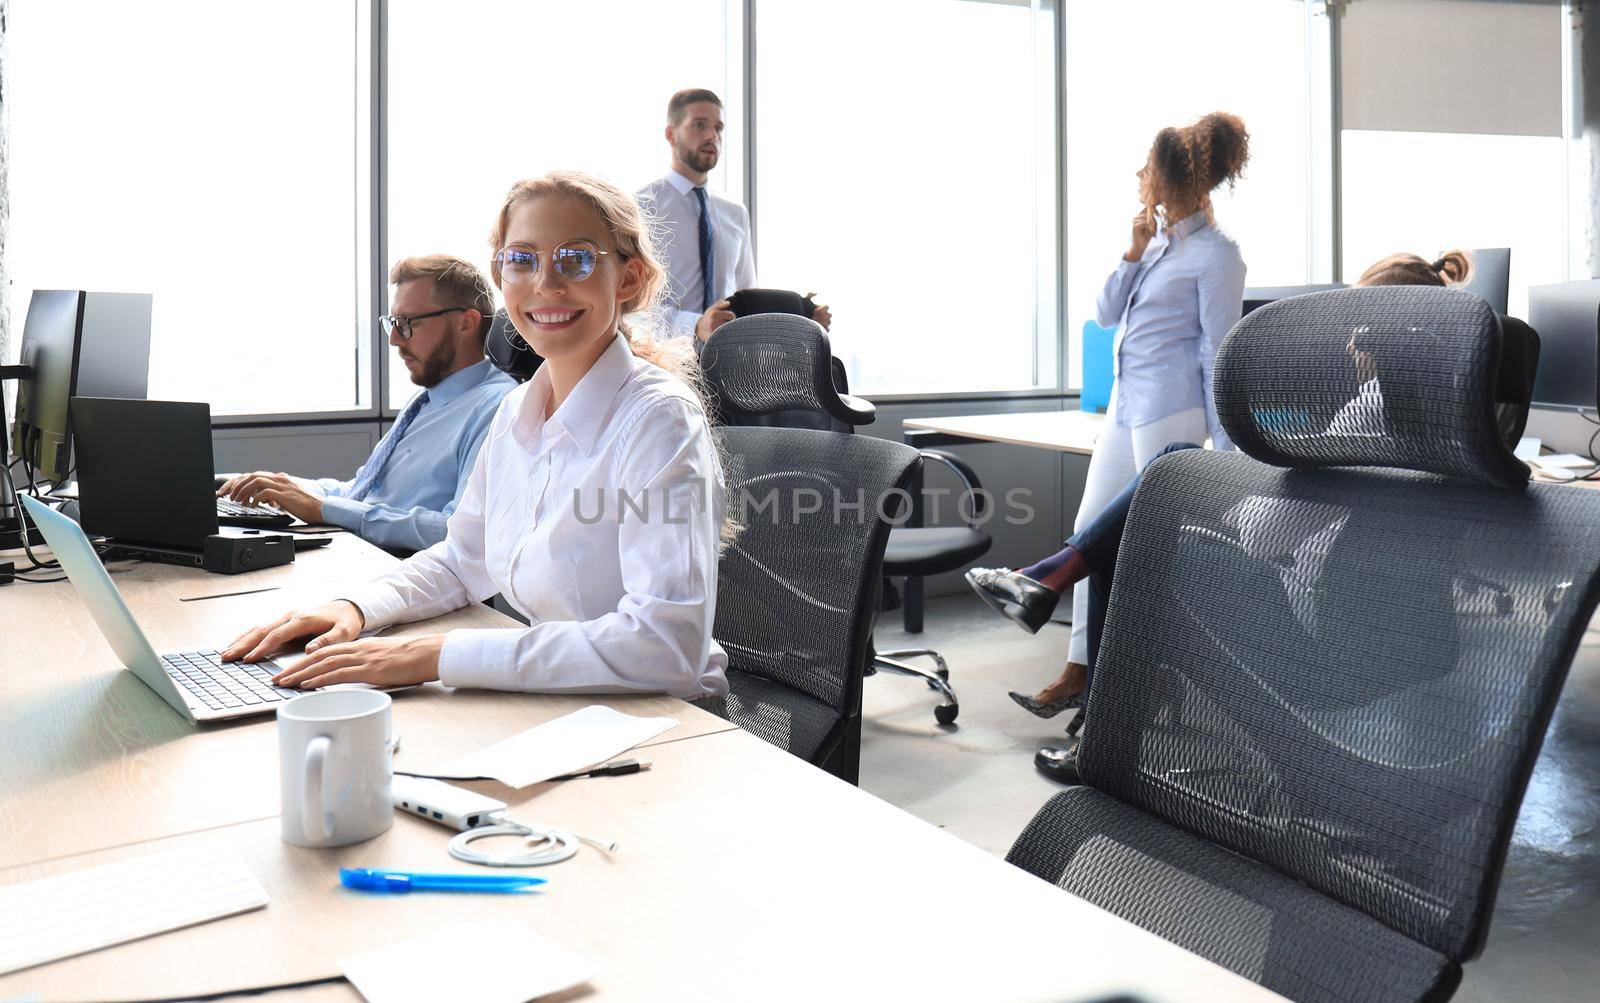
381 661
336 622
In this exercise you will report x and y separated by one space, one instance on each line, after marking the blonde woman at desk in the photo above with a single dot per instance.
617 601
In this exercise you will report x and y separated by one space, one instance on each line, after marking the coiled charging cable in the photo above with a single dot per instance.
545 846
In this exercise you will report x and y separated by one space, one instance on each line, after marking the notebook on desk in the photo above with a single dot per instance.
98 907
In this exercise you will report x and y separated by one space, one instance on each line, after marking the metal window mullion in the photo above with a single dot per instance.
379 126
1335 9
1059 91
749 138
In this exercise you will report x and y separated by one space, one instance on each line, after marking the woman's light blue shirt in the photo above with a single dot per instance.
1172 308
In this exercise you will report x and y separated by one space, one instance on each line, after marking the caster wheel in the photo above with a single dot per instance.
946 713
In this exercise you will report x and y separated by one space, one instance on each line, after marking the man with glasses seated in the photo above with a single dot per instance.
404 493
704 236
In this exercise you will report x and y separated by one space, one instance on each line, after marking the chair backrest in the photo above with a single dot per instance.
771 363
508 351
1341 671
796 588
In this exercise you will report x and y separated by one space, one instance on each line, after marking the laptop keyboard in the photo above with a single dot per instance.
229 509
225 685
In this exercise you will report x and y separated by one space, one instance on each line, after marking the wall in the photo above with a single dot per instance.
308 451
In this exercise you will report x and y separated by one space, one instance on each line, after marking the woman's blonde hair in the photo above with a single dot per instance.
1451 269
631 233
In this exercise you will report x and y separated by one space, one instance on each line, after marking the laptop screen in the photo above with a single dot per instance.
144 470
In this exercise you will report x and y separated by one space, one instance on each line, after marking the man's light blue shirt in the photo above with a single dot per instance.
1172 308
422 481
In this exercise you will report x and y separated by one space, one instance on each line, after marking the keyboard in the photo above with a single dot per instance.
93 908
238 514
221 685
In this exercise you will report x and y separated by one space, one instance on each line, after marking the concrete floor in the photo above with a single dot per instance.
976 779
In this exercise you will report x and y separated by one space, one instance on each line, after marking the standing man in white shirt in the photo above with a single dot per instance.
706 236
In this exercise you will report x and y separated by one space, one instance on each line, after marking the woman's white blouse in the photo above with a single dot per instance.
599 524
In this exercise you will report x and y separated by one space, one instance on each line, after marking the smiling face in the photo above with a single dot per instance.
560 318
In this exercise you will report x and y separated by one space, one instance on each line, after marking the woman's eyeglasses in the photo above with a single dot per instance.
573 261
396 326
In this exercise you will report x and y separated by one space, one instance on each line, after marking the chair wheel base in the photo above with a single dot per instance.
937 679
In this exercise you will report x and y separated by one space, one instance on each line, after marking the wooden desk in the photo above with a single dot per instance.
1540 477
1062 431
91 758
743 874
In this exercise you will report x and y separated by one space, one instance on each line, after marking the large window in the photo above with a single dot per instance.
906 174
482 93
1133 68
205 153
1462 149
221 157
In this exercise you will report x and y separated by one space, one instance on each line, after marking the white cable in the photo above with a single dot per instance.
546 846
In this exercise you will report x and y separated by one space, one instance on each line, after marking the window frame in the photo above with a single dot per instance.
1054 381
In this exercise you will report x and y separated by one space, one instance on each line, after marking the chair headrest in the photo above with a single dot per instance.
749 302
771 362
507 350
1413 377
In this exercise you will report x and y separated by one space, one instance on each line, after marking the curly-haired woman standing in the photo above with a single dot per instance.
1174 296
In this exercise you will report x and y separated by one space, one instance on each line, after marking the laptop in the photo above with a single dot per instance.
197 683
145 475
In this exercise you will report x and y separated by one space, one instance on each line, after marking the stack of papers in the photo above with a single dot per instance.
97 907
490 961
568 744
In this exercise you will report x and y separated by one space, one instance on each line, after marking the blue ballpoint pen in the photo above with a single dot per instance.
372 879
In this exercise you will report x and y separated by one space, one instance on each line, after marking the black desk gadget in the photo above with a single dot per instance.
145 480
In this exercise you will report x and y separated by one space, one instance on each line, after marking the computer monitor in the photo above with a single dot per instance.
1491 276
1259 296
76 343
1567 318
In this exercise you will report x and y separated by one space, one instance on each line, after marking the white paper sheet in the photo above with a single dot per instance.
568 744
1562 460
489 961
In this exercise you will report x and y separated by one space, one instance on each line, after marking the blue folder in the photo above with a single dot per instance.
1097 377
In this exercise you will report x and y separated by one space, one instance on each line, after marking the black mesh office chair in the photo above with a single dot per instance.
507 350
780 364
797 588
1311 725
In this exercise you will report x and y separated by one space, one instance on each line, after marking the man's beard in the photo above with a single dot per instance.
436 366
701 162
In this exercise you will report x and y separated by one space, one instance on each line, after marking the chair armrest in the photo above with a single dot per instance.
853 411
968 477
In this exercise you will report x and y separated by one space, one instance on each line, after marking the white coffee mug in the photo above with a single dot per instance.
334 767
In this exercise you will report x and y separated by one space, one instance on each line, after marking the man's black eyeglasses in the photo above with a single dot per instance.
394 326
